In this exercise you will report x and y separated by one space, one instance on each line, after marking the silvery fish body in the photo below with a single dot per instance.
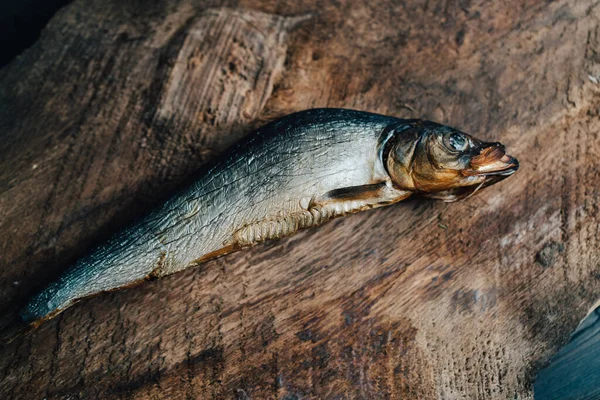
294 173
274 173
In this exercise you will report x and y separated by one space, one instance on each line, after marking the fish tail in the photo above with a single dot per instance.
98 273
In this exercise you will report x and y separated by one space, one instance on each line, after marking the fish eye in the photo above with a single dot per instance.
456 141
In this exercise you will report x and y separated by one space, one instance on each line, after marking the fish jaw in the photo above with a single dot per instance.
488 168
492 161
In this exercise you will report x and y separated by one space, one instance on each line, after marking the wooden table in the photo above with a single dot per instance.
120 101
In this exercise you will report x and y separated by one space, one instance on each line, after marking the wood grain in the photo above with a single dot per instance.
120 101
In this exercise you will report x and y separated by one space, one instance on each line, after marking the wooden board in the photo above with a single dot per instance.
120 101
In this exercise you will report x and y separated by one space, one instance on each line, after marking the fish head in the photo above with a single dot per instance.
444 163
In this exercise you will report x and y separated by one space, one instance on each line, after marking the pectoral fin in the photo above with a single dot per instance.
376 194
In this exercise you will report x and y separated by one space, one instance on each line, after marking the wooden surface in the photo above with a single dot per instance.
120 101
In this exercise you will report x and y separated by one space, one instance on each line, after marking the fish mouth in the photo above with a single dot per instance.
493 163
489 164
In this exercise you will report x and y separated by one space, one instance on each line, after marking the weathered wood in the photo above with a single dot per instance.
119 101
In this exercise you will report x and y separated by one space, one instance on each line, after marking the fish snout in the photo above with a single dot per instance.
492 160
